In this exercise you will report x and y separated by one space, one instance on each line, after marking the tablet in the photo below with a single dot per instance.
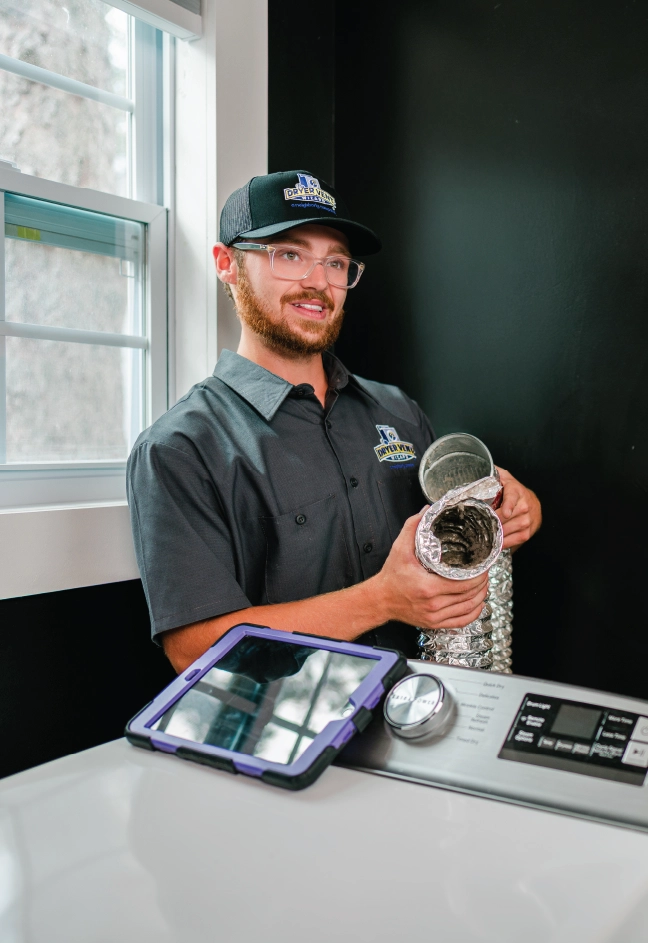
276 705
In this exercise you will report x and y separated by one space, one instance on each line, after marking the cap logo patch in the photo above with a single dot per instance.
308 191
391 449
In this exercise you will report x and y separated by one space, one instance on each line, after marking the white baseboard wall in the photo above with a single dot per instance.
43 550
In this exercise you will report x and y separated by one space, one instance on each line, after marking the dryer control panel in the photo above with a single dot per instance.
580 738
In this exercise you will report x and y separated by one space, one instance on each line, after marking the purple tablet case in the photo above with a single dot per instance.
389 667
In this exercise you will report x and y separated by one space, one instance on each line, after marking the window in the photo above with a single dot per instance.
83 301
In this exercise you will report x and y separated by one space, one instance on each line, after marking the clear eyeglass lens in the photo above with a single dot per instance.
293 263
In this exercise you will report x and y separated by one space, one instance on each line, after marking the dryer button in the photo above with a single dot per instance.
640 731
636 754
564 746
581 748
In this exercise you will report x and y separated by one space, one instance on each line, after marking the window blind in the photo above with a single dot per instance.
70 228
181 18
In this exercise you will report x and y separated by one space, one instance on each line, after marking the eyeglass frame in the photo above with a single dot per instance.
256 246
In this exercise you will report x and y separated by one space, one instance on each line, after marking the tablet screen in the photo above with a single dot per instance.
267 698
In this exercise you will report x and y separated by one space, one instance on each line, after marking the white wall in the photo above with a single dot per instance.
221 141
46 549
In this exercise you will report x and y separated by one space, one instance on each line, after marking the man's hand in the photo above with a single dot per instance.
410 594
520 512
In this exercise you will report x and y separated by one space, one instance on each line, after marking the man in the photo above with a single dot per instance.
282 490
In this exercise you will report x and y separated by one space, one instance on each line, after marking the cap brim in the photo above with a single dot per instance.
362 241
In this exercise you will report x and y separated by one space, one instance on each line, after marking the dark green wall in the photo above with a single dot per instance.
74 667
501 150
301 87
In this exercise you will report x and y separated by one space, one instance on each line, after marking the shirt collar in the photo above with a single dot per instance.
262 389
337 373
266 391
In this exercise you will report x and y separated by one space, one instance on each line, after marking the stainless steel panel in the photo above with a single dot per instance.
466 758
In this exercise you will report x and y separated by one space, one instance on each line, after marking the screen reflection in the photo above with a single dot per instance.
266 698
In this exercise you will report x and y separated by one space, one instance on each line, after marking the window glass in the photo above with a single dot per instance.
67 269
101 300
50 247
73 140
85 40
70 402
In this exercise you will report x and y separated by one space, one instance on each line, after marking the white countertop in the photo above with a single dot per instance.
117 845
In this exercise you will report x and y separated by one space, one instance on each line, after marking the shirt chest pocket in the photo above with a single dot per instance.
306 552
401 497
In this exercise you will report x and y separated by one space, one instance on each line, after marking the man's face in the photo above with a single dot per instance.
295 318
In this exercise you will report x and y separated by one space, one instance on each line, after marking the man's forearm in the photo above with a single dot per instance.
344 614
403 590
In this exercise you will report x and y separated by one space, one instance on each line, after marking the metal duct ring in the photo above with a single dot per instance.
452 461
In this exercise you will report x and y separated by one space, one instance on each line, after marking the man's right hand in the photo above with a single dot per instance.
410 594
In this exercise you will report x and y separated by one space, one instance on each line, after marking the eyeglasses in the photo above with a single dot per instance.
294 263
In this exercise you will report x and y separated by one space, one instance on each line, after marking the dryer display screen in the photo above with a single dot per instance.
579 738
575 721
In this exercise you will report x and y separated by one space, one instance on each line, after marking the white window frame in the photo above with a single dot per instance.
55 483
216 140
52 483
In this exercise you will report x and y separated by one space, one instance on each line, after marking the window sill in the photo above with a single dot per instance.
45 549
56 485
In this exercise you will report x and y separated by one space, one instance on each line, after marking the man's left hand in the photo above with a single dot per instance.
520 512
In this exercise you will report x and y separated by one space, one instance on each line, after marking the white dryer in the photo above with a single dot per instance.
451 840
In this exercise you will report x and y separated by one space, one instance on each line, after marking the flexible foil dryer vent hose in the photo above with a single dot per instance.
459 537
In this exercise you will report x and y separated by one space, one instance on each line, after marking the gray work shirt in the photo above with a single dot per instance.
249 492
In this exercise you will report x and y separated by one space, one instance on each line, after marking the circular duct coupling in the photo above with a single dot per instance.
453 461
461 536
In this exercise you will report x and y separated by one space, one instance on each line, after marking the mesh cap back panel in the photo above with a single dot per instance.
237 215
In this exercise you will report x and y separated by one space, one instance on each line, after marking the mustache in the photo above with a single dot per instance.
308 297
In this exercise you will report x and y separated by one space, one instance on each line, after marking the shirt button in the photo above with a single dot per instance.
300 519
354 482
299 392
328 423
368 548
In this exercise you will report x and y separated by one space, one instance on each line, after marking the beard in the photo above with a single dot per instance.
278 334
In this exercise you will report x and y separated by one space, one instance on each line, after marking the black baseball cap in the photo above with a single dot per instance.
273 203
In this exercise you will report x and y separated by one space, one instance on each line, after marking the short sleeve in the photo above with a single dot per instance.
182 544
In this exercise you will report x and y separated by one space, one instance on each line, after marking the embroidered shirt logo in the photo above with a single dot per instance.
391 448
308 190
